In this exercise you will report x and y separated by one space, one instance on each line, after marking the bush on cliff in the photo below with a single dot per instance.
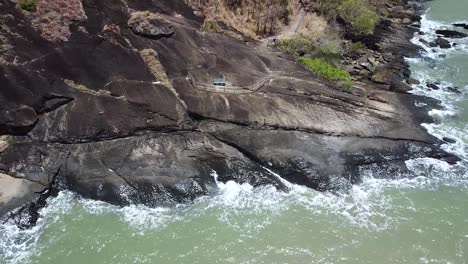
28 5
327 71
299 45
211 26
357 47
359 14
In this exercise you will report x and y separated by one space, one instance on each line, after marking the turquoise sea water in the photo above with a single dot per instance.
419 220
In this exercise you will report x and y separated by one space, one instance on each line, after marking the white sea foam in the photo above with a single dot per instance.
428 27
430 72
17 245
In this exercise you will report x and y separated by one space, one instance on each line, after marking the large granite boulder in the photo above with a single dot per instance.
149 25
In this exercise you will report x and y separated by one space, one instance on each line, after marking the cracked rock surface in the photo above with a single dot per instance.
93 115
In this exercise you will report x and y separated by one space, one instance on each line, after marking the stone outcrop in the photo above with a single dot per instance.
461 25
451 33
112 115
14 191
149 25
443 43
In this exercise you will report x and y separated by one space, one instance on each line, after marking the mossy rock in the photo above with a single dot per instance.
28 5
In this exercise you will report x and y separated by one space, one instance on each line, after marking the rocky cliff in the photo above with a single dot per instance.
113 100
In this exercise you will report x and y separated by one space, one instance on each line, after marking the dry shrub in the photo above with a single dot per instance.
315 32
53 18
151 58
251 18
313 26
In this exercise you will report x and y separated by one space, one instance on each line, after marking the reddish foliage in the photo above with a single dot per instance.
53 18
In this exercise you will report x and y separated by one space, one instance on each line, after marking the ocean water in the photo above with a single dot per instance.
418 220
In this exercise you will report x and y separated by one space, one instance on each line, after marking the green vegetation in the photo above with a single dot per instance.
211 26
327 71
302 46
356 47
319 60
297 45
11 142
359 14
28 5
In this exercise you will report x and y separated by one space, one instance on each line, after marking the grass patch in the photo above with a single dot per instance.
319 60
328 71
28 5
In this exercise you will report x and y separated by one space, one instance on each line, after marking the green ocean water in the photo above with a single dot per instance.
417 220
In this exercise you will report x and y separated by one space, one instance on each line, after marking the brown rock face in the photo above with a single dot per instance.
125 110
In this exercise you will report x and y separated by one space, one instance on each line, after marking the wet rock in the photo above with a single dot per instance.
416 25
423 41
443 43
451 33
449 140
153 170
433 86
400 87
15 192
432 44
461 25
292 158
412 81
454 90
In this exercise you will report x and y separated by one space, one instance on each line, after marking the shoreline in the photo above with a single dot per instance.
235 136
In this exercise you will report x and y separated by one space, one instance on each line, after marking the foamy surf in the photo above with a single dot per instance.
439 72
432 67
428 27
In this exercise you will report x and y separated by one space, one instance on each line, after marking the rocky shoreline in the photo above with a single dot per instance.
108 111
